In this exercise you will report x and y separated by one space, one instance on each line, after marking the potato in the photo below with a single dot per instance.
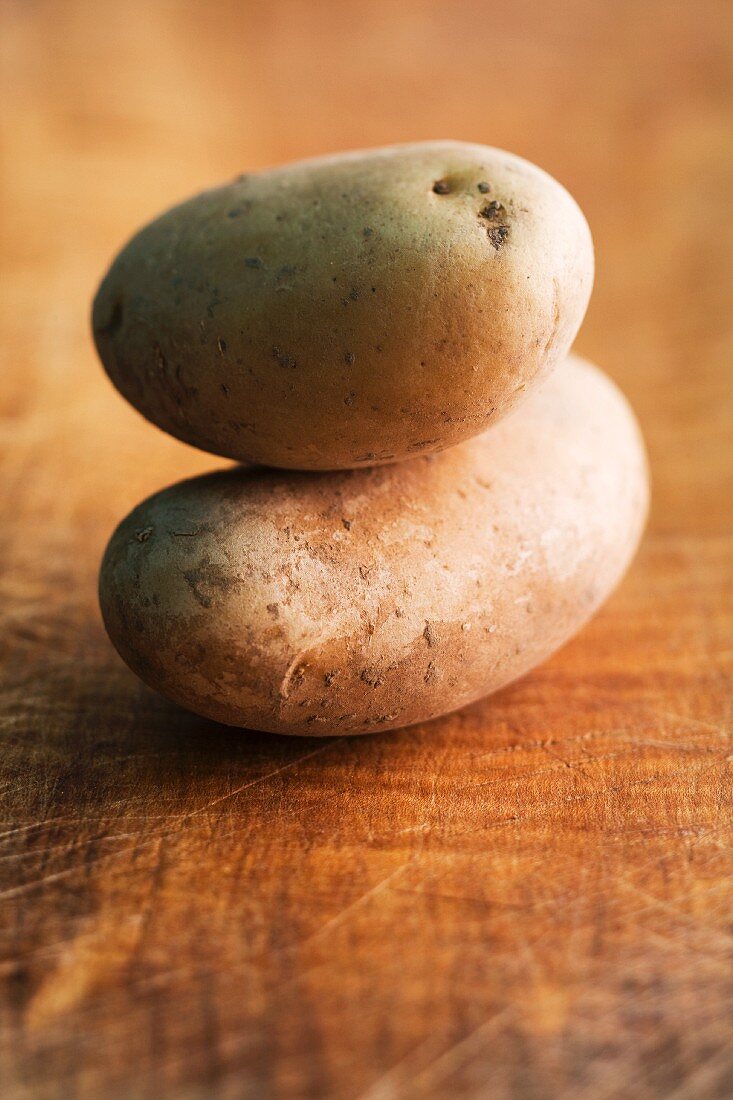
356 601
351 310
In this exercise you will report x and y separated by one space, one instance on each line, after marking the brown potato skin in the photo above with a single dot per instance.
350 310
358 601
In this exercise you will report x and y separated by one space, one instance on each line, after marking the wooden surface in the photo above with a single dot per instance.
529 899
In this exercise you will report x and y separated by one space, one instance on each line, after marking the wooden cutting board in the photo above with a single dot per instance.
531 898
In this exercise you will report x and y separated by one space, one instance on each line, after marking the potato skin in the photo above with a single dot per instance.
350 310
357 601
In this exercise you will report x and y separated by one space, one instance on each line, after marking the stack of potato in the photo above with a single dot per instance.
428 510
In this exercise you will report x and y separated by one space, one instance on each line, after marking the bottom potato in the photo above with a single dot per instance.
357 601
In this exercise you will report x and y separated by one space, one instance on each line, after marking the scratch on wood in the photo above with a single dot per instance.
437 1072
260 779
334 922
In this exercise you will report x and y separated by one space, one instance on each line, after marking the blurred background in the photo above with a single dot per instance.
190 911
112 112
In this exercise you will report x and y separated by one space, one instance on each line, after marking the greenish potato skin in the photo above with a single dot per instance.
351 310
358 601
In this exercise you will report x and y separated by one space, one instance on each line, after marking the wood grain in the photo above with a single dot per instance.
528 899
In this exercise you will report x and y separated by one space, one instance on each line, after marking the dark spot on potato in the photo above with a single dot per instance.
346 523
350 398
484 187
254 263
206 580
354 293
283 359
330 677
441 187
241 208
224 388
368 231
274 610
492 209
349 357
372 676
498 234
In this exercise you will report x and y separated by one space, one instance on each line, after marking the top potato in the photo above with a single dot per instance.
350 310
